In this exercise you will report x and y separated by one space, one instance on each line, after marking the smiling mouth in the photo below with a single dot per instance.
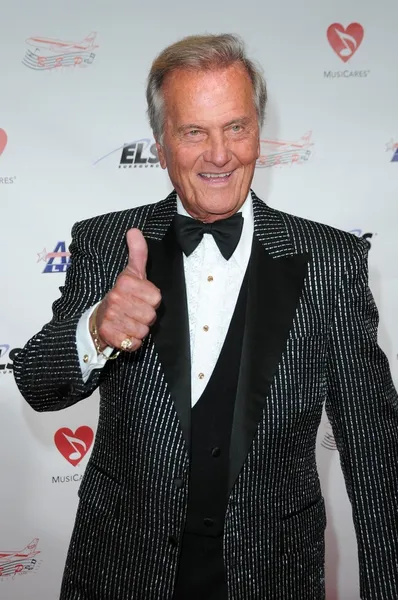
216 177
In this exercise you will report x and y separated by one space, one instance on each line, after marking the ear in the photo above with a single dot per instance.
162 158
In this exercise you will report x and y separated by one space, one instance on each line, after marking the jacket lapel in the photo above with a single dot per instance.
170 332
276 277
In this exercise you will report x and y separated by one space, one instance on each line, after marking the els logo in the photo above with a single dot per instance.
393 147
138 154
365 236
56 261
19 562
345 41
74 445
51 53
6 358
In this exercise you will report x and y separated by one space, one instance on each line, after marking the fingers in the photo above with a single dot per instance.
117 329
121 316
130 287
122 309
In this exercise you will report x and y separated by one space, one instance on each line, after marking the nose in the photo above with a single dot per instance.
217 151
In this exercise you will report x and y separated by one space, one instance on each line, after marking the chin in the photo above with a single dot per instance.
212 212
226 205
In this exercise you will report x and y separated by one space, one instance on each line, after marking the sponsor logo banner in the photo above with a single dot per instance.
73 478
345 41
346 74
365 236
14 563
274 153
56 261
138 154
74 445
3 143
392 147
6 358
50 53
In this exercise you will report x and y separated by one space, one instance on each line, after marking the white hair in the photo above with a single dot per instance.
202 53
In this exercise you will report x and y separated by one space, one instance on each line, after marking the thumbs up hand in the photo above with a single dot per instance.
129 308
138 253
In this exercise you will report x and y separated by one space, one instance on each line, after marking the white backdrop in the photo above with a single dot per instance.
72 95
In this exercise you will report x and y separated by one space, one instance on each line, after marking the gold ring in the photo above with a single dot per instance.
126 344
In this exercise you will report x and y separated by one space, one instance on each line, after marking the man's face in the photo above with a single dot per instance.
211 139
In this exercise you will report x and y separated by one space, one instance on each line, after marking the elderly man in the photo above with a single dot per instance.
216 328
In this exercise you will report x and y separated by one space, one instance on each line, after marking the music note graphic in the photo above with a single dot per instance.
76 455
345 41
74 445
345 38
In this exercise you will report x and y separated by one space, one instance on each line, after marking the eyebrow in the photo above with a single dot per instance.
238 121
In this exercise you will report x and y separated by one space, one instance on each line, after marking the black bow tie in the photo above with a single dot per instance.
226 233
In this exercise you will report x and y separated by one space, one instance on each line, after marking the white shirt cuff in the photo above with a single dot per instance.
89 359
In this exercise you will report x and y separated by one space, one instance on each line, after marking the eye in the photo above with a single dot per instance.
236 128
193 132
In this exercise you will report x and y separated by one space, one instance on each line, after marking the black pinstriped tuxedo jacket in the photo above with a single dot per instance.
310 338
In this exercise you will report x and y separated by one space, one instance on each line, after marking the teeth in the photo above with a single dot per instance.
215 175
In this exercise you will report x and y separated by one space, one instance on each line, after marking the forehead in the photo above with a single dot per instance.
208 92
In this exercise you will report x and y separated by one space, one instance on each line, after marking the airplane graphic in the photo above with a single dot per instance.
28 552
278 152
51 53
14 562
62 46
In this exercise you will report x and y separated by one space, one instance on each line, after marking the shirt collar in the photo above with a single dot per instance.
245 242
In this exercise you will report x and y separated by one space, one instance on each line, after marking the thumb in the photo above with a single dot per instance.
138 253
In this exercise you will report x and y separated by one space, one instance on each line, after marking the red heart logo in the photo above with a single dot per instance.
345 42
74 446
3 140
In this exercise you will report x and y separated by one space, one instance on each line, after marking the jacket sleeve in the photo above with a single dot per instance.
47 370
362 406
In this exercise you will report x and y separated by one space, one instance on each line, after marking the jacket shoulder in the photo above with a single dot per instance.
315 237
112 224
